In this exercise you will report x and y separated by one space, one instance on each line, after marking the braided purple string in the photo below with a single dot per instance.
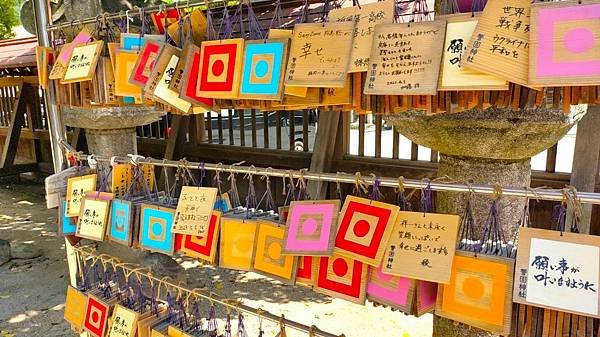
227 326
197 323
213 325
141 298
170 308
403 202
250 198
559 215
241 328
426 201
202 174
375 193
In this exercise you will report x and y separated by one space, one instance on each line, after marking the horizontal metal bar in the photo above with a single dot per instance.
538 194
238 306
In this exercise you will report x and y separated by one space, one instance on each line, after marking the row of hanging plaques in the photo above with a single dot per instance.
367 250
535 45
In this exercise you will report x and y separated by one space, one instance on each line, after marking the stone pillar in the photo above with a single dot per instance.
488 172
112 142
110 131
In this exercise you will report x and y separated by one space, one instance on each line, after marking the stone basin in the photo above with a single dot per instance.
110 131
117 117
494 133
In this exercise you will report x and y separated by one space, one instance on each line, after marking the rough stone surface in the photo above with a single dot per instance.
118 117
24 251
481 171
4 251
492 133
161 265
113 142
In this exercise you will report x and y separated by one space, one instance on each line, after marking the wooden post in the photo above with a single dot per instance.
323 151
585 161
175 143
17 120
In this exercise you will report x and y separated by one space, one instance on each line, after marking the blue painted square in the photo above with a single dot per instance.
262 68
132 42
155 233
120 222
221 205
67 225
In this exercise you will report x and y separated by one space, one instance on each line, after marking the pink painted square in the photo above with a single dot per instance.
394 291
570 30
311 227
427 295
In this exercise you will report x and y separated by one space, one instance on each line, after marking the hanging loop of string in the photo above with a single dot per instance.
360 188
492 238
401 200
233 190
251 202
426 198
375 191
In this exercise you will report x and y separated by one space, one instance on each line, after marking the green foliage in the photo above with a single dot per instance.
8 18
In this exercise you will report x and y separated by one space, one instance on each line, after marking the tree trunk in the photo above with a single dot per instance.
480 171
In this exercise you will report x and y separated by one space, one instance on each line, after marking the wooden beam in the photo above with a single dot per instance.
585 161
323 153
175 143
17 120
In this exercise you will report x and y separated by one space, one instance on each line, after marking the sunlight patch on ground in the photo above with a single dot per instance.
23 317
24 202
189 264
58 307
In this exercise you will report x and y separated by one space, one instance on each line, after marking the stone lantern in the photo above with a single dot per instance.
486 146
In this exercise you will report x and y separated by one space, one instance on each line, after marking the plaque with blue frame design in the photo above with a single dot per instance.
67 225
121 219
264 65
156 223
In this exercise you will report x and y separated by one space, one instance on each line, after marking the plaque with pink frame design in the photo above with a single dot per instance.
311 227
394 291
565 43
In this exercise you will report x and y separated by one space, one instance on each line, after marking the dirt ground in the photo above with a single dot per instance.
32 291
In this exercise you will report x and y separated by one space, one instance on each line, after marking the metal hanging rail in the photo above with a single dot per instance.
538 194
211 297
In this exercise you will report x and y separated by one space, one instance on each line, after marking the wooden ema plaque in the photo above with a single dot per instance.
565 43
268 256
453 76
189 77
500 43
60 64
203 247
479 293
421 246
220 68
237 243
365 18
311 227
194 210
341 277
77 187
559 271
93 218
287 34
82 63
156 223
264 66
364 229
319 54
405 58
145 63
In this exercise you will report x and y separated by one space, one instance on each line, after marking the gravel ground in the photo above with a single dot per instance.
32 291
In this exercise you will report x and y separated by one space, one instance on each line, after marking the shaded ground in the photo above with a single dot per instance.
32 291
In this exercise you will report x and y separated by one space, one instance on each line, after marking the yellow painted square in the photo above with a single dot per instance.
237 243
125 62
75 307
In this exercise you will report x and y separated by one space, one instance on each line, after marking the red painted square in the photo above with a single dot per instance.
192 83
208 247
149 55
354 287
217 68
361 228
96 317
158 19
178 242
305 268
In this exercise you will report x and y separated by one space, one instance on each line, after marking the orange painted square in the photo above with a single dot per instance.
472 279
268 256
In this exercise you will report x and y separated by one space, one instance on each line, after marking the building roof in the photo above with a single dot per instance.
17 53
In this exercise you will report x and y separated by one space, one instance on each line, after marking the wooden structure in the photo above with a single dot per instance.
23 125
